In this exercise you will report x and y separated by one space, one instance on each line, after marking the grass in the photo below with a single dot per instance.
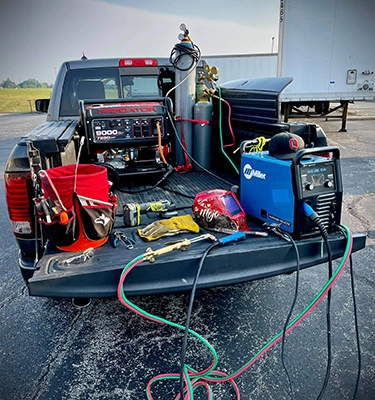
21 100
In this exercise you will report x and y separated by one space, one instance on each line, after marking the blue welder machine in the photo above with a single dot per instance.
273 190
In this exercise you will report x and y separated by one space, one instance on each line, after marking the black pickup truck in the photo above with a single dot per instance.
124 115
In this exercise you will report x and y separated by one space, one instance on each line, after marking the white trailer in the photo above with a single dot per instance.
327 47
243 66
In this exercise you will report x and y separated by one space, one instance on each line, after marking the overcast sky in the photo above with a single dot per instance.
36 36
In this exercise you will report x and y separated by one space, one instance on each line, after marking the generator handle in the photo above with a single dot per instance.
315 150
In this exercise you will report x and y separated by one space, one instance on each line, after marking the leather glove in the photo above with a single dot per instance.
168 227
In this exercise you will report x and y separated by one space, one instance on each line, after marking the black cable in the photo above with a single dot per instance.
328 311
194 53
355 321
169 171
314 217
189 311
356 329
290 313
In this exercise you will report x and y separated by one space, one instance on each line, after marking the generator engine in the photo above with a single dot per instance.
127 137
274 191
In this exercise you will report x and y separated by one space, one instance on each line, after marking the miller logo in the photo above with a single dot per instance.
249 173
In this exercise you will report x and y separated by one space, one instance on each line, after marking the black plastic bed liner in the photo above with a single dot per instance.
254 258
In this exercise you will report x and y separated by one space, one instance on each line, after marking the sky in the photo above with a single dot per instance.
37 36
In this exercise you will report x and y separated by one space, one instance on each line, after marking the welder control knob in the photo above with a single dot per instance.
328 184
309 186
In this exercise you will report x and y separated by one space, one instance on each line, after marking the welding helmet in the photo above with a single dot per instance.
285 145
219 210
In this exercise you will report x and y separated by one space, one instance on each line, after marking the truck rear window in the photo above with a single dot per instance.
104 83
140 86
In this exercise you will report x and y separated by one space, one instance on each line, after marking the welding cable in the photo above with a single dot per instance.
290 312
299 318
210 374
355 312
183 374
356 329
328 315
137 310
314 217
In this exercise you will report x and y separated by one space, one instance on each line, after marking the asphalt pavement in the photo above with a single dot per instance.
51 349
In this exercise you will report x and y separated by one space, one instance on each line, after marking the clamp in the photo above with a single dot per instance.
275 228
118 237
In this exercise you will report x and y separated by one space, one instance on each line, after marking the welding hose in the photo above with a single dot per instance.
302 315
210 374
221 130
137 310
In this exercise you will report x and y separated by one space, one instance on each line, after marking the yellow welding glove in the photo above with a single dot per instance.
168 227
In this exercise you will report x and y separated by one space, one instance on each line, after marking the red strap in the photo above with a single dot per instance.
197 121
187 166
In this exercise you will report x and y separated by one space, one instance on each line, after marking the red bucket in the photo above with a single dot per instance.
83 193
92 181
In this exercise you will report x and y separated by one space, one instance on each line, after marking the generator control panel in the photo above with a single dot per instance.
126 129
125 123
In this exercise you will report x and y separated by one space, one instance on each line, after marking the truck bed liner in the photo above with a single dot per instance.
254 258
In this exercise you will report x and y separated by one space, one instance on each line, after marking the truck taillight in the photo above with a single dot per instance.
18 196
138 62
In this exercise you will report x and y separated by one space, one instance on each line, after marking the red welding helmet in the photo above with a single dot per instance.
219 210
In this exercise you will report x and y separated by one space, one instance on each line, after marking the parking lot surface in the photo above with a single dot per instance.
51 349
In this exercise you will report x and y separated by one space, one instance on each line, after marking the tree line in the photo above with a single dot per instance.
28 84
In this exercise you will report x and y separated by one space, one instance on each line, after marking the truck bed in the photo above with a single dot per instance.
254 258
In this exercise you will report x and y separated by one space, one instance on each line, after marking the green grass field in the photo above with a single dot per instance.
21 100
